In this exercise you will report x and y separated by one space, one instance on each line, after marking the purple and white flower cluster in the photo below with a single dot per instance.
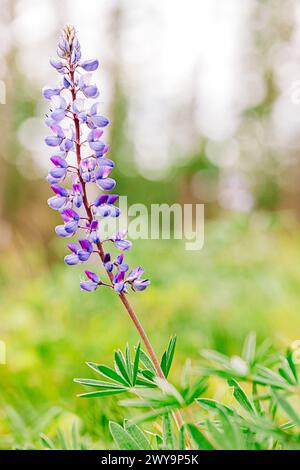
76 133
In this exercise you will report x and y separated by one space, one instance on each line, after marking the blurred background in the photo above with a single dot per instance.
203 98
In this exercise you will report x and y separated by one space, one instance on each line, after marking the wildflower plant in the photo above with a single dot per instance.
79 160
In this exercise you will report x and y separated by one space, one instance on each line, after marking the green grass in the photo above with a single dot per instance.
247 277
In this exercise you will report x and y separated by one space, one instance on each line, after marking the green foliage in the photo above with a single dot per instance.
259 417
246 278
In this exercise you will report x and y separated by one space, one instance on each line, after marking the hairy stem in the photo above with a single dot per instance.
176 414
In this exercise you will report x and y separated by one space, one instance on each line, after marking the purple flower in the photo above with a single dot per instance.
134 279
73 123
92 283
60 106
90 65
120 242
91 117
68 47
94 141
58 65
88 89
60 200
95 119
50 91
77 194
140 284
59 172
107 262
101 178
71 220
56 139
80 253
119 282
105 207
119 262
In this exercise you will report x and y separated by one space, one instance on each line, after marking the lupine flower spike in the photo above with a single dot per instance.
75 123
77 126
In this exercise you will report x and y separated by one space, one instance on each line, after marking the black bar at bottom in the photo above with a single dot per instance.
132 459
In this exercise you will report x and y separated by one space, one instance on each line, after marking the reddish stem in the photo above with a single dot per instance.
122 296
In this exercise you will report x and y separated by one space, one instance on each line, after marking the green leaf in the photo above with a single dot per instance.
249 347
75 437
219 437
170 354
107 372
145 359
136 364
217 357
286 373
128 363
61 438
120 363
163 363
47 442
210 404
198 437
148 374
241 396
151 415
182 438
265 376
145 383
102 393
97 383
233 436
290 359
195 391
122 438
137 434
159 441
168 436
256 401
286 407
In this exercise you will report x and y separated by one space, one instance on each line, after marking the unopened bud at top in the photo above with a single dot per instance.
68 46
